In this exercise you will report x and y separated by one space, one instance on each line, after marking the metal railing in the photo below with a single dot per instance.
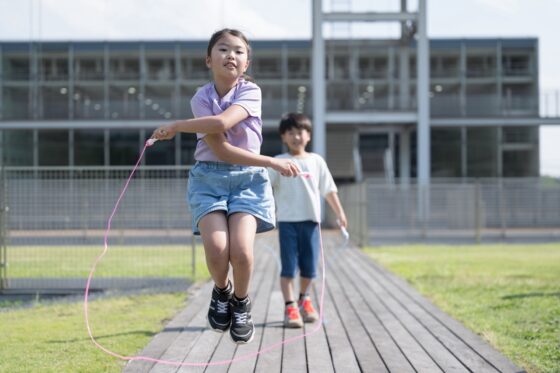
470 210
57 217
53 219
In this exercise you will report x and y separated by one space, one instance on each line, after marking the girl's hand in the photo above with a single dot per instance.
164 132
285 167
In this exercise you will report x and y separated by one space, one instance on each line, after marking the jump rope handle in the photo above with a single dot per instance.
343 230
151 141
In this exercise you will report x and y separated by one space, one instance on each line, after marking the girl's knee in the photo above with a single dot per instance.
241 257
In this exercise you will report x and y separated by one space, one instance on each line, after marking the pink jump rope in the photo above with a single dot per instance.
149 143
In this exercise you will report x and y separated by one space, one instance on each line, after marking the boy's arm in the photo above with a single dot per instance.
334 202
232 154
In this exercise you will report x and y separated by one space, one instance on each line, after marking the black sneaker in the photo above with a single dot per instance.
219 313
242 328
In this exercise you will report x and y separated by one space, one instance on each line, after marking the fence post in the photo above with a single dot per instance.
502 206
3 230
193 256
477 211
364 236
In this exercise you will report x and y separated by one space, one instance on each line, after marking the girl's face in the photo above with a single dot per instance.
229 58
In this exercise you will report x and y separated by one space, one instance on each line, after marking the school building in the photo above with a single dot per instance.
95 103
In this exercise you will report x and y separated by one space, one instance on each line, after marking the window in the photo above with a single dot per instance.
18 147
53 148
124 147
89 147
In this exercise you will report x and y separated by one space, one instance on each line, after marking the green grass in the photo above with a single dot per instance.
119 261
52 337
508 294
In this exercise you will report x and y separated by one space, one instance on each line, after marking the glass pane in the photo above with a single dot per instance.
89 101
188 146
124 147
16 103
482 152
18 147
446 152
53 102
88 147
163 153
53 148
123 101
159 101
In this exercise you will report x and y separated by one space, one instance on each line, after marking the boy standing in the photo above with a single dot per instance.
298 213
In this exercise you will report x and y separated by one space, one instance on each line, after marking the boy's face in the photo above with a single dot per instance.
296 139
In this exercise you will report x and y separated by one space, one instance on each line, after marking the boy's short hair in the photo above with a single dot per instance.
294 120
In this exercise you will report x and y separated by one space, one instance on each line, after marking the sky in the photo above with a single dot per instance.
291 19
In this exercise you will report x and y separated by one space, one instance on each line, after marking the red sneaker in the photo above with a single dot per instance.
292 317
307 310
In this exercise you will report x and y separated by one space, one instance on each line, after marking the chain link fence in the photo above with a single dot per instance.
460 211
55 219
52 222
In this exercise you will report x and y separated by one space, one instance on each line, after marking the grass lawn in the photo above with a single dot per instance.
508 294
119 261
52 337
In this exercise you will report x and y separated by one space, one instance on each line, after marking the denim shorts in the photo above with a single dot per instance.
299 248
218 186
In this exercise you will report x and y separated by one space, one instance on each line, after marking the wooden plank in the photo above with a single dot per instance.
447 328
416 355
316 345
161 342
441 356
270 360
293 352
387 347
366 353
342 353
208 343
259 312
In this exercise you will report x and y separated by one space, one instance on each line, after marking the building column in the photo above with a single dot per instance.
423 97
318 80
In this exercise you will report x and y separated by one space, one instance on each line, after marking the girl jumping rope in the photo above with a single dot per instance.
228 188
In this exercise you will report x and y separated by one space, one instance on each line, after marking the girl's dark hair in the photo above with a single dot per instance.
294 120
218 34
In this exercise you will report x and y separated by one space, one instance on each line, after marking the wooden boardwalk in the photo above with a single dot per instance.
373 322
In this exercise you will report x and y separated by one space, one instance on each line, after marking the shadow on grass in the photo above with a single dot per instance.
144 333
531 295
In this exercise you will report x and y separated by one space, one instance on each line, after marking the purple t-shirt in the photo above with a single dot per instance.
247 134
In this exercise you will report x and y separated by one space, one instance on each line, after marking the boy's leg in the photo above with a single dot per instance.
242 230
304 285
308 260
213 229
287 286
288 254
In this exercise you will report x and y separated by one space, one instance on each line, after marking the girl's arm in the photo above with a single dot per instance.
209 124
232 154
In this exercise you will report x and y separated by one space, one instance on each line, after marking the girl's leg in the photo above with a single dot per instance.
214 232
242 230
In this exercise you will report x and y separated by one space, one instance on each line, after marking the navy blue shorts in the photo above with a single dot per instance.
299 248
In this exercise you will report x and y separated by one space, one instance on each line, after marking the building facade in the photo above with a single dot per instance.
95 103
